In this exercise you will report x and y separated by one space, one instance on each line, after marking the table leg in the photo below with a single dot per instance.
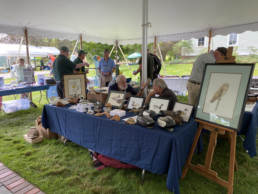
40 96
47 96
1 102
143 173
30 94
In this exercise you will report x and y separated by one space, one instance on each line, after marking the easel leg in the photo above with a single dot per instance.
229 136
210 150
189 158
232 162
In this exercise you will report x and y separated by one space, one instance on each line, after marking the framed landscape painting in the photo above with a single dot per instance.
223 94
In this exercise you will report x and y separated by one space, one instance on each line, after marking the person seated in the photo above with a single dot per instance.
121 85
160 88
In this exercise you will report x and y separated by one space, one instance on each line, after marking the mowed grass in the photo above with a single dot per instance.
58 168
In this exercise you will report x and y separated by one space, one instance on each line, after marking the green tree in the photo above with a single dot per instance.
182 48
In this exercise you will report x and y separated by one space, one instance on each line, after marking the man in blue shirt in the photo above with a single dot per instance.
106 68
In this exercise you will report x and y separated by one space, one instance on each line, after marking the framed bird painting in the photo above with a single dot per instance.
158 104
116 98
135 102
223 94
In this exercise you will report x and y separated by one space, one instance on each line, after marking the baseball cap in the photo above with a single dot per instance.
64 48
82 52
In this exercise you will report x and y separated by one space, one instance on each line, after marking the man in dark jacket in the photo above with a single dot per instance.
61 66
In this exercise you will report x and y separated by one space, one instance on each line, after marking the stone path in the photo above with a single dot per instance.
11 183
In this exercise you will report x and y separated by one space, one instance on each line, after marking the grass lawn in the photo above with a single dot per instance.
57 168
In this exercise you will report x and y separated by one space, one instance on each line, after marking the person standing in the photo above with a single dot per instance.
150 67
106 68
17 70
195 79
81 56
61 66
41 64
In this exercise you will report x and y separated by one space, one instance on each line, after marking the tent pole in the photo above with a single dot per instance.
144 40
165 71
122 53
209 44
81 41
28 53
27 46
116 51
75 46
117 66
155 45
124 56
7 63
18 55
112 50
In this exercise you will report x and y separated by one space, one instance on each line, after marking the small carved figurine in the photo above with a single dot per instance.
130 121
115 118
104 113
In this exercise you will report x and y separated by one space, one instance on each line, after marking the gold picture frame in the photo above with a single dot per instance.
74 85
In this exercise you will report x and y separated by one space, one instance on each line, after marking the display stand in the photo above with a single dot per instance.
205 170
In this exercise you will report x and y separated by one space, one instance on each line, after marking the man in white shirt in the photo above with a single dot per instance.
194 82
17 71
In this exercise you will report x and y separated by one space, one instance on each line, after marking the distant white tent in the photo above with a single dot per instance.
11 50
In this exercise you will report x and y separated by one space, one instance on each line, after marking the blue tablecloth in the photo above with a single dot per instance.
155 150
249 129
21 90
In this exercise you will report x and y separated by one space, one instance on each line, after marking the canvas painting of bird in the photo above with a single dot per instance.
218 95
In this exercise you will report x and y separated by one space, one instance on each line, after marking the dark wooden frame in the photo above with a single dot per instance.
243 102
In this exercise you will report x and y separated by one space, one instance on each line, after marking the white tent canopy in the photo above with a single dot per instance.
12 50
107 21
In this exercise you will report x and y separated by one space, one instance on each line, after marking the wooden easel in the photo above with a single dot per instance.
205 170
